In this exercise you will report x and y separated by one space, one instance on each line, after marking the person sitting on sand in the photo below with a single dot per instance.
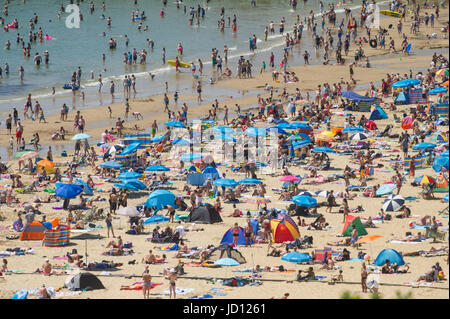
236 212
329 265
47 267
43 293
114 252
343 256
150 258
369 223
113 244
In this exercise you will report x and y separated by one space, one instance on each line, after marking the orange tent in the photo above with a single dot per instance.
33 231
445 83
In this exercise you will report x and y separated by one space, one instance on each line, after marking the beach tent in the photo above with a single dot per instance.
348 226
33 231
356 97
284 230
377 113
205 214
87 190
211 172
84 280
160 198
228 237
196 179
226 250
57 237
402 98
389 254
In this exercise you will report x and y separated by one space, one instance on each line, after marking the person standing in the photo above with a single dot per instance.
330 201
235 232
127 108
147 279
225 116
19 132
172 281
154 128
364 277
412 167
9 124
109 227
113 199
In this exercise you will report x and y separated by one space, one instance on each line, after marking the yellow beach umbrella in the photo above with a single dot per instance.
46 163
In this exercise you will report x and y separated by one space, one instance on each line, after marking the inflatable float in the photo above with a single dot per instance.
68 86
391 13
182 64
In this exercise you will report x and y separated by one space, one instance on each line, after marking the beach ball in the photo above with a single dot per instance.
411 224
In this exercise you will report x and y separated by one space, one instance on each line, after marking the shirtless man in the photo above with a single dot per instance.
147 279
43 293
113 244
150 258
47 267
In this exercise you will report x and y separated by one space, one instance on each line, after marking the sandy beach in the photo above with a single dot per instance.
272 284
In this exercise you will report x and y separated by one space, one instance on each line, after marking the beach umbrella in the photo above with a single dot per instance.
445 83
225 182
190 157
81 136
304 201
21 153
407 123
405 83
135 183
439 138
155 220
439 162
445 198
423 146
385 189
160 198
358 137
297 138
226 262
437 90
128 211
69 191
290 178
286 126
157 168
323 193
278 130
442 72
225 137
301 126
296 257
125 185
28 155
256 200
326 136
129 175
427 180
301 144
180 142
223 129
130 148
284 229
306 193
393 203
158 139
323 149
175 124
250 181
256 131
367 239
111 164
116 148
353 129
46 163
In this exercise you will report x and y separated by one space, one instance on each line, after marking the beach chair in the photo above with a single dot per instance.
436 235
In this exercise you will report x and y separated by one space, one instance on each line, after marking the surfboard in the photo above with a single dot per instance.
182 64
391 13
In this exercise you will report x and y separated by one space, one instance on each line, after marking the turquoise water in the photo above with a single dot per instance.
84 46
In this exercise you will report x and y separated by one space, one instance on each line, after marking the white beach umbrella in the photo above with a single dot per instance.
358 137
393 203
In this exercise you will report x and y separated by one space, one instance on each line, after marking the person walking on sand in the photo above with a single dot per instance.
172 281
109 227
154 128
147 279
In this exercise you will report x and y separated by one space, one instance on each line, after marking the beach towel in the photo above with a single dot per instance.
405 242
179 291
139 286
419 284
205 296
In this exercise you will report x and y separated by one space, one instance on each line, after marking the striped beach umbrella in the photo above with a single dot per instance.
393 203
256 200
442 72
427 180
358 137
323 193
28 155
306 193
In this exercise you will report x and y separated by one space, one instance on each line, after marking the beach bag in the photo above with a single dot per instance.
64 154
127 245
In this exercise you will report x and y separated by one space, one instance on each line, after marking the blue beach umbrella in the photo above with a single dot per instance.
277 130
160 198
69 191
223 129
405 83
323 149
225 182
175 124
286 126
190 157
111 164
81 136
250 181
439 162
296 257
353 129
155 220
225 137
136 183
437 90
129 175
299 125
301 144
446 198
180 142
87 190
423 146
130 148
386 189
304 201
158 139
157 168
125 185
226 262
